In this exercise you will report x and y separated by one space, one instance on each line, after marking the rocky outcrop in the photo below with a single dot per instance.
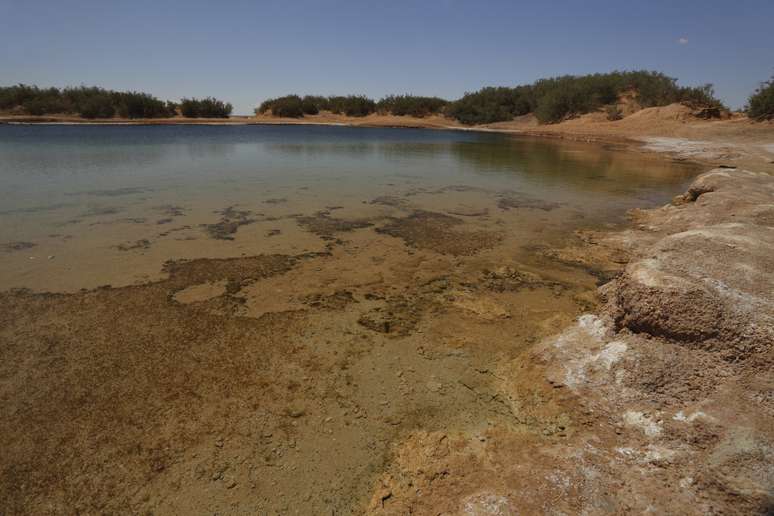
679 361
708 282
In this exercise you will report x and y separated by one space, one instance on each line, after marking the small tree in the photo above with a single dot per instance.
760 105
290 106
205 108
97 107
309 106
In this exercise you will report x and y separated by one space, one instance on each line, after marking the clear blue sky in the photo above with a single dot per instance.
246 51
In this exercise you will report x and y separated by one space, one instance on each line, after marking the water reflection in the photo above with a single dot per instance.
582 165
41 164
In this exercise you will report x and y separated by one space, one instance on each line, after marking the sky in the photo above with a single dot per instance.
247 51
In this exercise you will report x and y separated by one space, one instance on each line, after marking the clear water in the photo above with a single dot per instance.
44 165
79 192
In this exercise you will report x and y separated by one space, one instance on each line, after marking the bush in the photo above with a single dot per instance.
410 105
94 102
205 108
264 107
491 105
295 107
760 105
44 105
555 105
97 107
139 105
289 106
699 97
352 105
309 105
558 98
15 96
320 102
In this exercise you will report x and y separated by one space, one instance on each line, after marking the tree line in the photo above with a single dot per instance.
558 98
550 100
94 102
295 106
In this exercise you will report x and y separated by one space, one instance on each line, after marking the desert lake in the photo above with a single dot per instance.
111 204
214 317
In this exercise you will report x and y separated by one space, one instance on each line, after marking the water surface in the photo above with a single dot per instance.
88 192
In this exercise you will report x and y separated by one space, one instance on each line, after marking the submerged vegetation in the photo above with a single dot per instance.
760 105
94 102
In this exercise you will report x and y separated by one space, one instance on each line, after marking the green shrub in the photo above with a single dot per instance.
699 97
411 105
264 107
555 105
15 96
321 103
558 98
93 102
289 106
204 108
760 105
44 105
139 105
352 105
100 106
491 105
296 107
310 105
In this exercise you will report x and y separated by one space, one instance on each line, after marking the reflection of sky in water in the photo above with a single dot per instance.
39 165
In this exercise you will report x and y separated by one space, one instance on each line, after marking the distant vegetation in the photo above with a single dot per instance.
411 105
550 100
295 107
88 102
291 106
558 98
352 105
205 108
94 102
760 105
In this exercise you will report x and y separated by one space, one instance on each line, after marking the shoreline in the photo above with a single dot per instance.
667 382
670 131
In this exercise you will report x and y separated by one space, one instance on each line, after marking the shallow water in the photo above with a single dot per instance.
290 307
84 194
